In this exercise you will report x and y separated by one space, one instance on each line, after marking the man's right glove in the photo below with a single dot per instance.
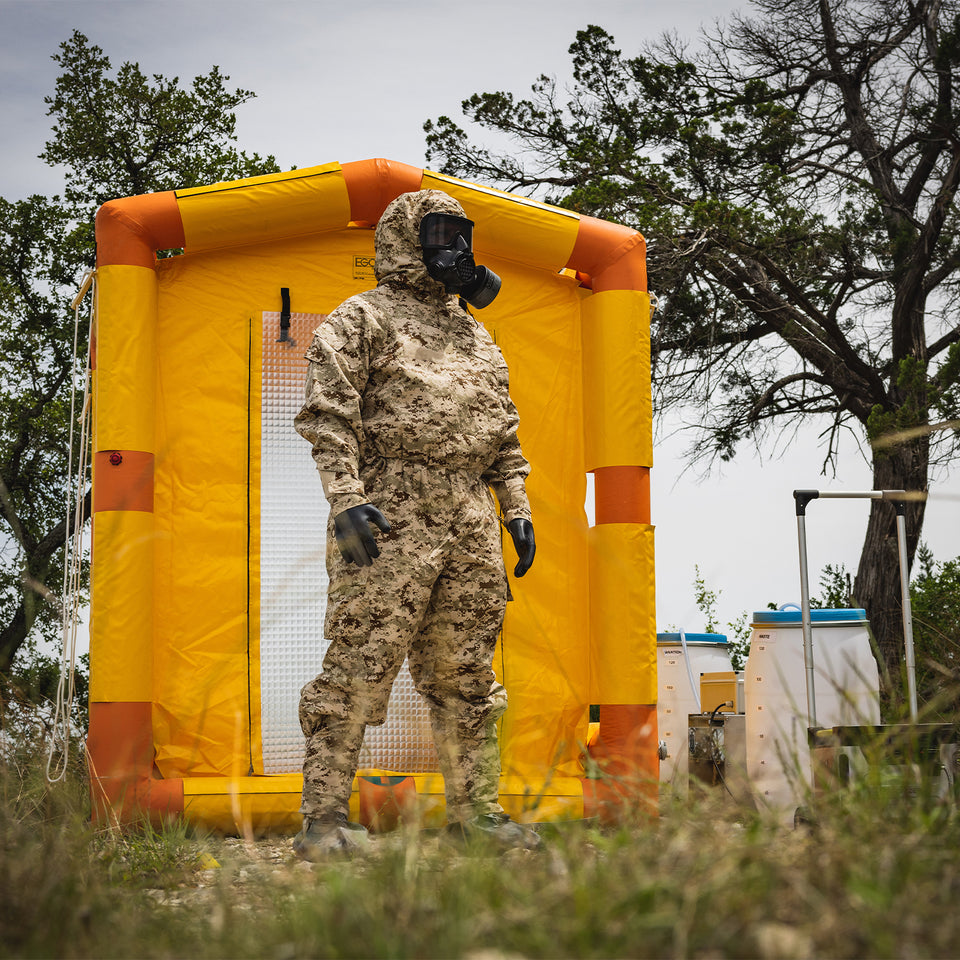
354 537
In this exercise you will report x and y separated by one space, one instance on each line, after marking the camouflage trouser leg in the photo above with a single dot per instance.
329 765
359 668
452 666
470 761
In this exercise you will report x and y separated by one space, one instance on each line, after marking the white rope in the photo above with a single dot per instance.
59 755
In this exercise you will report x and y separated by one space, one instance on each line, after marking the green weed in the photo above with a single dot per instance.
872 871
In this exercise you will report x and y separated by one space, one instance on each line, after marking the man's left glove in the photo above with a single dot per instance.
525 544
354 538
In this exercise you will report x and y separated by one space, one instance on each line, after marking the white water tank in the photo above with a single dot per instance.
681 658
846 688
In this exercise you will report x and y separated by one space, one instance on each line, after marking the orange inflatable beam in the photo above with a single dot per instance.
124 480
622 494
613 257
120 747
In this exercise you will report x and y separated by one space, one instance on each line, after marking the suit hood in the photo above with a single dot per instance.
398 254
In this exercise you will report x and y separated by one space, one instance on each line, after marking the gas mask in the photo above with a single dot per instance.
447 243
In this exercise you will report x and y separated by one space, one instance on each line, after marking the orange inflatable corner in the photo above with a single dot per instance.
372 184
614 256
120 757
130 231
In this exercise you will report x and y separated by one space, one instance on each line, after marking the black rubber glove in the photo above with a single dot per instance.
354 537
525 544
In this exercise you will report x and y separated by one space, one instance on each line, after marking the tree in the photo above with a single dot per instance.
796 177
122 135
116 134
37 267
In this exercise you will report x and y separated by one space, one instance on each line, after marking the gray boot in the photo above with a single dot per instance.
495 830
330 839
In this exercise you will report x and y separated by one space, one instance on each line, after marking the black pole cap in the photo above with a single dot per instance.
802 498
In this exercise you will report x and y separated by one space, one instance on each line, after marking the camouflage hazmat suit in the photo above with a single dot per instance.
407 408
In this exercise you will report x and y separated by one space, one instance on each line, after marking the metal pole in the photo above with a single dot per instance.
907 610
803 497
897 497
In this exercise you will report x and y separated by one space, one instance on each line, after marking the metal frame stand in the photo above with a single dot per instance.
898 499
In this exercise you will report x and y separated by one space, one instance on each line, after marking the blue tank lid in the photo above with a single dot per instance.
672 638
817 615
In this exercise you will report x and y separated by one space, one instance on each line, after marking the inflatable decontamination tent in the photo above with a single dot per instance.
208 581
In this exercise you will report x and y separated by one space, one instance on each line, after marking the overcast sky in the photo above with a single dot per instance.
347 81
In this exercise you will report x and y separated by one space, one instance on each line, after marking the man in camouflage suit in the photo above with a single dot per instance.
408 411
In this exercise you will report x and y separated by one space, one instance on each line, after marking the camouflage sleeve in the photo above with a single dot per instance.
331 414
508 473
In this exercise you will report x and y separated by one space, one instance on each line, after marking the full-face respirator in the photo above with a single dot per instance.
447 242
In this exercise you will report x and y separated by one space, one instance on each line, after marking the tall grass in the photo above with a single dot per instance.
875 873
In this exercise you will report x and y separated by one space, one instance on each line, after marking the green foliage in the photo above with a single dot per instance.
115 133
739 633
935 605
146 855
38 268
46 871
773 240
67 890
706 601
30 688
738 630
946 393
836 589
913 402
122 133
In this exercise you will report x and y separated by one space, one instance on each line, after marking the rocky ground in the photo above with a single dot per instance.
243 864
248 864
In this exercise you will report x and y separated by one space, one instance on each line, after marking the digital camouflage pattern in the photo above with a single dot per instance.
407 407
402 372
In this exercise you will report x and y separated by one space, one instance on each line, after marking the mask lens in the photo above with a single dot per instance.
441 230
